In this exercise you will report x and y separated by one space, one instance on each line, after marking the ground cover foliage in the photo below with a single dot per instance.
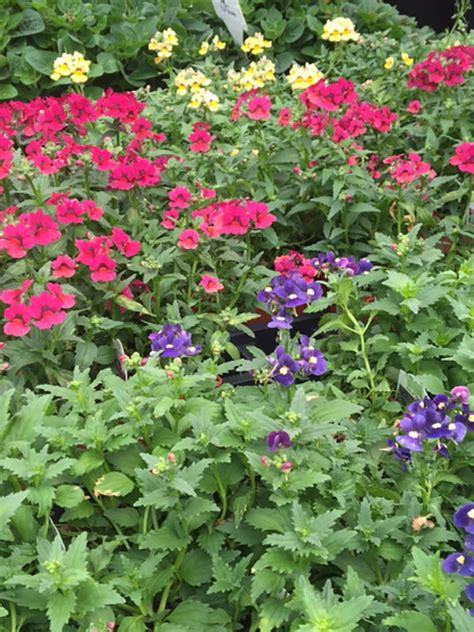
324 172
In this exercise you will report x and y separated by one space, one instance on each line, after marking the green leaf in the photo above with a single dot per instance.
196 568
60 608
333 410
68 496
9 504
7 91
31 22
40 60
462 620
411 621
113 484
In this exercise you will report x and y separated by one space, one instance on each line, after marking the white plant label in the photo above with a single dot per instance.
230 13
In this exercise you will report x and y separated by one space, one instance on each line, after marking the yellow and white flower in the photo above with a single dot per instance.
72 65
389 62
407 60
340 30
255 75
163 43
190 80
255 44
301 77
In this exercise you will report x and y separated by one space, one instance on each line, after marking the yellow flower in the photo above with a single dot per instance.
340 30
163 43
256 75
234 152
407 60
389 62
204 48
74 66
255 44
301 77
170 37
211 100
218 44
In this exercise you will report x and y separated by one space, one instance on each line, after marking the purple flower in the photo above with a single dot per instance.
277 440
459 563
461 393
412 441
284 368
173 342
469 543
312 361
282 320
464 518
286 292
328 262
401 454
469 592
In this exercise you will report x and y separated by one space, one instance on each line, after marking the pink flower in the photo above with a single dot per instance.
10 297
66 300
258 213
46 311
18 317
102 269
16 240
284 117
170 218
200 138
128 247
258 109
413 107
188 239
210 284
69 212
463 157
179 197
63 267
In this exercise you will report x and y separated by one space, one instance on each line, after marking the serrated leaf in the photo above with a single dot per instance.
411 621
9 504
60 608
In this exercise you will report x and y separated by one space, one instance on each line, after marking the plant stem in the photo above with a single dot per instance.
13 617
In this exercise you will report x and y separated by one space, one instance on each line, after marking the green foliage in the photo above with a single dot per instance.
114 35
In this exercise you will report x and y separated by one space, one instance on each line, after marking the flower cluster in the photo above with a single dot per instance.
440 419
49 132
463 158
95 252
216 44
172 341
320 265
255 44
43 311
233 217
406 171
195 82
340 30
73 66
255 75
31 229
200 138
446 68
463 563
163 43
306 362
302 77
322 98
287 292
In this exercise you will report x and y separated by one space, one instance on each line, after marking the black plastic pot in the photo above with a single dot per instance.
266 340
435 13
